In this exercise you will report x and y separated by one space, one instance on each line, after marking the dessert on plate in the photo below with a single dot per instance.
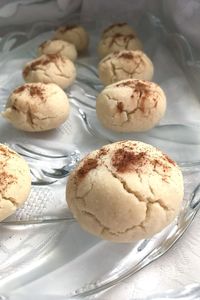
58 47
125 191
125 64
131 105
74 34
37 107
50 68
15 181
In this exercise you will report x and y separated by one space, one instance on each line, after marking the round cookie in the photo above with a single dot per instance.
50 68
15 181
74 34
131 105
118 42
37 107
58 47
125 191
122 28
125 64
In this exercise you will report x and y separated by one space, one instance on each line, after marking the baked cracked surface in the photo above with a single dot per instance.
125 64
15 181
118 42
50 68
131 105
125 191
74 34
122 28
58 47
37 107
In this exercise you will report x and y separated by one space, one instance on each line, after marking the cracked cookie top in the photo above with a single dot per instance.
118 42
125 64
131 105
37 107
118 28
127 157
58 47
34 90
74 34
15 181
50 68
125 191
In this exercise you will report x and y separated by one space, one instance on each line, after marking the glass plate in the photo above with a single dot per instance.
43 236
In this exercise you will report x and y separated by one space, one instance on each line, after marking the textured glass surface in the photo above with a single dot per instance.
42 235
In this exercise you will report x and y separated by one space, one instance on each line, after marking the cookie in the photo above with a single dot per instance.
74 34
118 42
122 28
15 181
125 191
58 47
37 107
131 105
125 64
50 68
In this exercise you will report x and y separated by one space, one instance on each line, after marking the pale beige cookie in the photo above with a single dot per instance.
131 105
50 68
122 28
37 107
15 181
125 64
74 34
58 47
118 42
125 191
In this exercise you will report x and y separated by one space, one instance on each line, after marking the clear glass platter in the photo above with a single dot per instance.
43 236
